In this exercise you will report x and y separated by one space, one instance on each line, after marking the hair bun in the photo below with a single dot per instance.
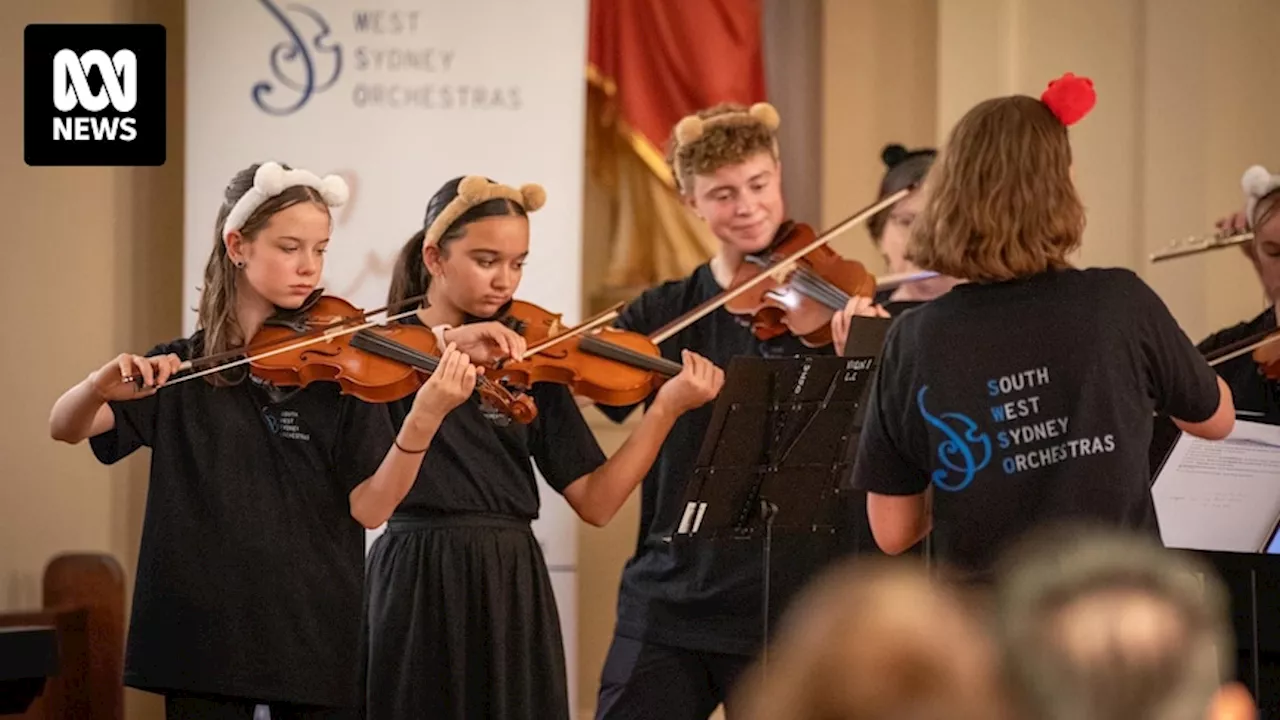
893 154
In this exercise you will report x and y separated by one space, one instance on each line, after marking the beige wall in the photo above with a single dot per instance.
880 86
94 255
92 268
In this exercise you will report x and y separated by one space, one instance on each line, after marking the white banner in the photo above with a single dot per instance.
399 96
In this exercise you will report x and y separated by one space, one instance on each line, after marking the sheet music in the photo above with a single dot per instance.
1221 496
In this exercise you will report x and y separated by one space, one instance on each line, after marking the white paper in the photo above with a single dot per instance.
1221 496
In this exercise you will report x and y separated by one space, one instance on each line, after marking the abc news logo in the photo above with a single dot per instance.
94 95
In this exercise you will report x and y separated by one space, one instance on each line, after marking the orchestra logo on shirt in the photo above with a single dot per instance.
285 424
965 451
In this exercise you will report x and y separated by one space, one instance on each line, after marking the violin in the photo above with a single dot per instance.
1264 348
328 340
819 285
608 365
825 282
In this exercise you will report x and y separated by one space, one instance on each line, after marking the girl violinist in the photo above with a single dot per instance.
249 576
1254 393
890 230
462 619
1046 413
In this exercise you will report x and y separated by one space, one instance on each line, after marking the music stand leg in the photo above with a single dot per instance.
768 511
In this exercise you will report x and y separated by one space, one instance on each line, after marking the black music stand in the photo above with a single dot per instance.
780 448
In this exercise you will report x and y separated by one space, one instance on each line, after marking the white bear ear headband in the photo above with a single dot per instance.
691 128
475 190
1257 184
270 180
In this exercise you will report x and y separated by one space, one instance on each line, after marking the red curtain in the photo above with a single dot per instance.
664 59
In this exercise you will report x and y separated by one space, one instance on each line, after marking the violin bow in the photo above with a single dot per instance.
775 270
1236 349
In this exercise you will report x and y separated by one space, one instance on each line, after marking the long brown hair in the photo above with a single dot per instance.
410 277
1000 200
216 316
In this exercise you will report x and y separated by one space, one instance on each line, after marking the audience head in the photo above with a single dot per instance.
1103 626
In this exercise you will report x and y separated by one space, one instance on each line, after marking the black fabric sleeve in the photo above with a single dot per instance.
885 464
560 440
135 420
643 315
366 433
1183 385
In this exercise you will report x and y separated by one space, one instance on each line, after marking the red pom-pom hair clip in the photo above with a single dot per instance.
1070 98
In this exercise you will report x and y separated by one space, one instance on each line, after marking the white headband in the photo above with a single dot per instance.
1257 183
270 180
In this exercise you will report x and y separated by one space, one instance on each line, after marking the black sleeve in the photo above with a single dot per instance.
1183 385
885 464
560 441
644 315
135 420
365 435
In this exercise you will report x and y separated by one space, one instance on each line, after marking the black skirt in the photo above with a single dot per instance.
462 622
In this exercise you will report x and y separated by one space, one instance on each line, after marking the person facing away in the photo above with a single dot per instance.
690 611
1098 624
1026 394
462 620
250 572
877 639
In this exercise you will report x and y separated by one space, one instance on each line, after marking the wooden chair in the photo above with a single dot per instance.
83 616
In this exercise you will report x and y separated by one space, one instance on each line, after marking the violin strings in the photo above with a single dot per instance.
819 288
392 349
606 349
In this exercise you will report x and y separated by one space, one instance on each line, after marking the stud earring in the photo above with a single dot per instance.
240 264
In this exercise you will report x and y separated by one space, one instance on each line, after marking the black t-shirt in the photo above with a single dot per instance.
250 574
1251 390
700 594
480 460
1027 402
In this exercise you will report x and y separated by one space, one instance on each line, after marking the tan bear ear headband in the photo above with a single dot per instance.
475 190
691 128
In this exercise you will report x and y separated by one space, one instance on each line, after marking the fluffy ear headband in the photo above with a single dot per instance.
475 190
270 180
1070 98
1257 184
691 128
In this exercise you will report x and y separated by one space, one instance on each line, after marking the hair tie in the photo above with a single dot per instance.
474 190
1070 98
270 180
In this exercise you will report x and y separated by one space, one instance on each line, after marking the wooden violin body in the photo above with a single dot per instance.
803 298
377 364
609 366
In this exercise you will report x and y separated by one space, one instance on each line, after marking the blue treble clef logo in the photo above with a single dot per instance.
294 54
957 452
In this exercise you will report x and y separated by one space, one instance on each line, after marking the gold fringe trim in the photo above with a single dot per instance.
640 145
